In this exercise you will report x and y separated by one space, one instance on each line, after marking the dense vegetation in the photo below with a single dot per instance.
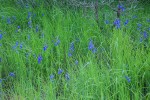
62 52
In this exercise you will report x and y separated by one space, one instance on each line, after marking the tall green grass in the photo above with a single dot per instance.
118 70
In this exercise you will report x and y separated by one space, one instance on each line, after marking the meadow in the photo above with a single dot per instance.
60 53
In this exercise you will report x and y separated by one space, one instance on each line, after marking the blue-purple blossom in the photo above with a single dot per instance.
45 47
148 20
57 42
1 36
21 46
106 22
126 22
29 24
141 39
60 71
145 35
18 27
8 21
11 74
117 23
29 14
39 59
52 76
134 16
120 6
71 47
69 54
128 79
91 45
76 62
67 76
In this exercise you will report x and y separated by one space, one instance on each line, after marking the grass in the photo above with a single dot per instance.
118 69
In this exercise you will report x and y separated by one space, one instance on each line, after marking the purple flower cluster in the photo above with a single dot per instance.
91 46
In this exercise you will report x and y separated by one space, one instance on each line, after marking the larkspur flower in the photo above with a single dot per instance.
15 46
148 20
76 62
139 25
128 79
57 42
18 27
29 24
1 36
126 22
67 76
11 74
60 71
0 44
52 76
134 16
71 47
8 21
39 59
106 22
29 15
117 23
94 50
45 47
69 54
145 35
91 45
21 46
120 6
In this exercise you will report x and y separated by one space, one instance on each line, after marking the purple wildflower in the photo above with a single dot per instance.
91 45
76 62
117 23
69 54
8 21
11 74
52 77
120 6
39 59
29 14
60 71
71 47
145 34
21 46
57 42
45 47
128 79
106 22
1 36
126 22
18 27
67 76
